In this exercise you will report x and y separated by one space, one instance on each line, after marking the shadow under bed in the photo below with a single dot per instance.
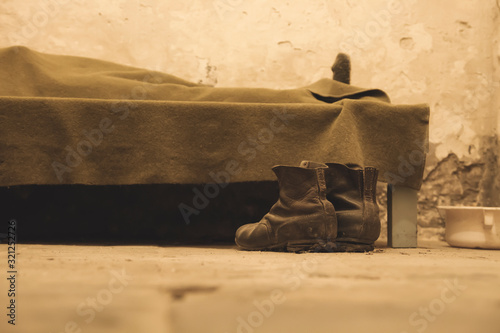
132 214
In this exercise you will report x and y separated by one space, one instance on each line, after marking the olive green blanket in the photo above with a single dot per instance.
74 120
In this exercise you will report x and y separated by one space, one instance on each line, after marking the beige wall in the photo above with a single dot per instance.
444 53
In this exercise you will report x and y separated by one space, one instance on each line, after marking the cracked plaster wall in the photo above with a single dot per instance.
445 53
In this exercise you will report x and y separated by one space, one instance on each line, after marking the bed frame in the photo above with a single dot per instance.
401 200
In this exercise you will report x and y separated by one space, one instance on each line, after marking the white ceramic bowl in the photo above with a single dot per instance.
472 227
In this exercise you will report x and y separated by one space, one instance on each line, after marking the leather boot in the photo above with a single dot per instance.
301 220
352 191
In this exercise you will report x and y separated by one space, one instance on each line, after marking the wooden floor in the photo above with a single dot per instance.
434 288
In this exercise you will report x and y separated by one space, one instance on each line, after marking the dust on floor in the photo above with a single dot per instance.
433 288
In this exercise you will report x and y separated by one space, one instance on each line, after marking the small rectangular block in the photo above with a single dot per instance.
401 216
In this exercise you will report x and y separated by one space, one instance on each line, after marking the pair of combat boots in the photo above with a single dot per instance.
321 208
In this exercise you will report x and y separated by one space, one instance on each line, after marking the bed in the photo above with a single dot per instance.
74 120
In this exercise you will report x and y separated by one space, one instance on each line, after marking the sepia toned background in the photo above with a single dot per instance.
442 53
445 53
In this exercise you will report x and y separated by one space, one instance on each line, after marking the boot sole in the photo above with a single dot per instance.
328 247
315 246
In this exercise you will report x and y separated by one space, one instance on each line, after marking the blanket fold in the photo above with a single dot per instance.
74 120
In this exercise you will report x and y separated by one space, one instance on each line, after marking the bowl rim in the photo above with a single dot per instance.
468 208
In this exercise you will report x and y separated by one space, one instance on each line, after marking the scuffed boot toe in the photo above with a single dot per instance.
301 220
253 236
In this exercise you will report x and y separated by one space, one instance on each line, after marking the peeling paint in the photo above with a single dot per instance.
407 43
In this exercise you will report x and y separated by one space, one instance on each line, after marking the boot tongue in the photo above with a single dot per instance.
312 165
